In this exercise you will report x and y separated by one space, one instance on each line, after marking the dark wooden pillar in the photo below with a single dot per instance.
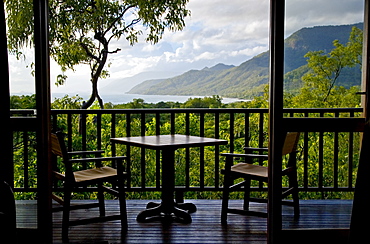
361 211
6 172
7 205
42 75
276 130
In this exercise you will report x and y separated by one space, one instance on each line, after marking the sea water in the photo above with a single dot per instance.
126 98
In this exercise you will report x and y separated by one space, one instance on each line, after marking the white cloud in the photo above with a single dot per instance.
308 13
206 55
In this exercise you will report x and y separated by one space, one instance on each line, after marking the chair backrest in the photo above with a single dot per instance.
291 141
57 144
58 148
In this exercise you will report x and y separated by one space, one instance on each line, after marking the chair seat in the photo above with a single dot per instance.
250 169
94 174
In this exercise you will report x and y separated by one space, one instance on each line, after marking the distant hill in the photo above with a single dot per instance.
145 86
188 81
249 78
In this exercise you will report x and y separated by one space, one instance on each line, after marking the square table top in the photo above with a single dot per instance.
168 141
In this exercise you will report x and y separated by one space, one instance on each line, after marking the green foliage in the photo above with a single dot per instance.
319 88
23 102
67 102
206 102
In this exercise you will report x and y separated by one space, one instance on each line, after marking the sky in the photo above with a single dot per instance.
218 31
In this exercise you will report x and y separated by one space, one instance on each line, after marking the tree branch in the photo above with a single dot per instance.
117 19
133 22
337 73
116 51
90 54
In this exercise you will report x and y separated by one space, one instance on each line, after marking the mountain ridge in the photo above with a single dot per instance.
249 78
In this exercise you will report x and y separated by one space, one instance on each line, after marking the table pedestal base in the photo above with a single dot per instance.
177 211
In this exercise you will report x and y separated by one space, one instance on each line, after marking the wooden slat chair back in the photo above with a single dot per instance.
290 143
92 176
249 171
56 148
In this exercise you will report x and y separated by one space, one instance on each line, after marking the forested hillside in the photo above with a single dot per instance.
190 81
249 79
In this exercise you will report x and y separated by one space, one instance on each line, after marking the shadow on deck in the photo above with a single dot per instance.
205 228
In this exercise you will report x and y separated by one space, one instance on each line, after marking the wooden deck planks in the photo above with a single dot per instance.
205 228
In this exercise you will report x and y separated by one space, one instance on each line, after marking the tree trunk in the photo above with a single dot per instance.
94 95
94 80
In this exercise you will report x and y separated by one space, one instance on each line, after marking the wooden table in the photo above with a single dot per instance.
168 144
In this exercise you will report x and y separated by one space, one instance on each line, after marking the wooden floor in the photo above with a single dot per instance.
205 228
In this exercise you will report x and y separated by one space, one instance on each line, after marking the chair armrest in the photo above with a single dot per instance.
257 149
98 162
230 156
243 155
98 159
86 152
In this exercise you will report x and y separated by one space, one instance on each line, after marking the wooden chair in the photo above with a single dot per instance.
81 178
250 171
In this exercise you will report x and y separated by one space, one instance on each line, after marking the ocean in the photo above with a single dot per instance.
126 98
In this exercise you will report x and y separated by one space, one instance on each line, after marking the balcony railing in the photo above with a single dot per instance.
327 160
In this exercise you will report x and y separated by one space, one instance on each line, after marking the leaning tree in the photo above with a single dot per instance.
81 31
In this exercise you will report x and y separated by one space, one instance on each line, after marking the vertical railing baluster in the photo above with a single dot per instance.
261 130
246 129
69 131
217 151
142 158
231 131
201 151
201 124
158 153
128 124
261 139
113 133
26 160
335 158
173 121
98 131
321 157
187 151
157 123
142 124
128 149
350 156
187 123
305 157
84 136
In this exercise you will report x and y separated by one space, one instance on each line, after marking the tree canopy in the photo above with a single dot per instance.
81 31
320 87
